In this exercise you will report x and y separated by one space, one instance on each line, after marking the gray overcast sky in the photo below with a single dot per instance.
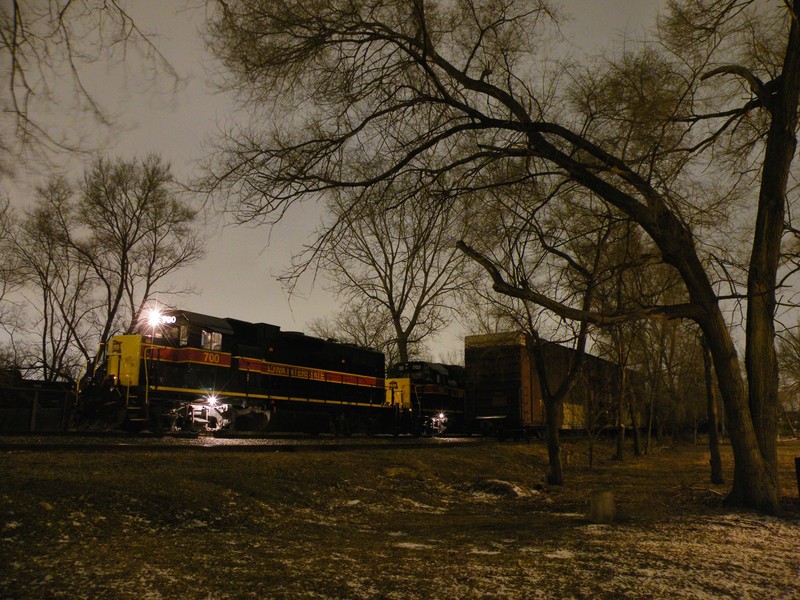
238 277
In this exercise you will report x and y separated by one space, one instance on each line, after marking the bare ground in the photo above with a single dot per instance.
467 522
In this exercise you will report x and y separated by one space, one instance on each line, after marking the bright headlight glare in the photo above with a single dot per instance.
154 318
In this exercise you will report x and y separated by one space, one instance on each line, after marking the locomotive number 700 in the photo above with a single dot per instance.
210 357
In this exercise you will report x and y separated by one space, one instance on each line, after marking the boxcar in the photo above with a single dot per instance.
503 390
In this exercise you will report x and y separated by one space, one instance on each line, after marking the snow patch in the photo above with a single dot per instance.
484 552
498 488
412 546
561 554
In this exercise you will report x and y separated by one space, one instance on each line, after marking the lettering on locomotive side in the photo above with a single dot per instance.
222 359
186 355
297 372
211 357
280 370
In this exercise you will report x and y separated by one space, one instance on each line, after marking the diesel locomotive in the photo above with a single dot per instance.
187 371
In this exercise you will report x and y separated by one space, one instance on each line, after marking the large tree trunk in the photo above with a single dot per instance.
755 484
760 357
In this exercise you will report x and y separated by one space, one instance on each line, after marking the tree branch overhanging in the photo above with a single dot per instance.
500 285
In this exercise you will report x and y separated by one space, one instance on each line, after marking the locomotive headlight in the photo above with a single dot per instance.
212 399
154 318
441 416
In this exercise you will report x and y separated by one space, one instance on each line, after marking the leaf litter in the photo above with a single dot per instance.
429 523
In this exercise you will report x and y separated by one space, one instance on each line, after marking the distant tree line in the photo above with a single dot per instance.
80 258
83 260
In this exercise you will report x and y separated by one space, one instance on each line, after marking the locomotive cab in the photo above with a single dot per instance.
187 367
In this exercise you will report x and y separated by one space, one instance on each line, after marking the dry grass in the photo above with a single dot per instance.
467 522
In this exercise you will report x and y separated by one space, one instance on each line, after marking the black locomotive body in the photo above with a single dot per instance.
435 392
185 370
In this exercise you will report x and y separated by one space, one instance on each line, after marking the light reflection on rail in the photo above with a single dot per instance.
234 442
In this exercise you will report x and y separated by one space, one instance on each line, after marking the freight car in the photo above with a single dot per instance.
187 371
503 393
435 391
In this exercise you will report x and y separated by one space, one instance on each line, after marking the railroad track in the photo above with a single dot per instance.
209 443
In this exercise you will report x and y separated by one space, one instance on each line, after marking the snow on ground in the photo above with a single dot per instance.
399 533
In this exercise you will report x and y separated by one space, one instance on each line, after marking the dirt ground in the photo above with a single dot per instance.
438 522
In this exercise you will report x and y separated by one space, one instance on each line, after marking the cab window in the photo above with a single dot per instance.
211 340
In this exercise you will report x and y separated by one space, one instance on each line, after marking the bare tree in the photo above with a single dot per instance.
46 48
393 260
95 258
526 238
452 90
789 364
789 357
57 286
11 276
620 291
